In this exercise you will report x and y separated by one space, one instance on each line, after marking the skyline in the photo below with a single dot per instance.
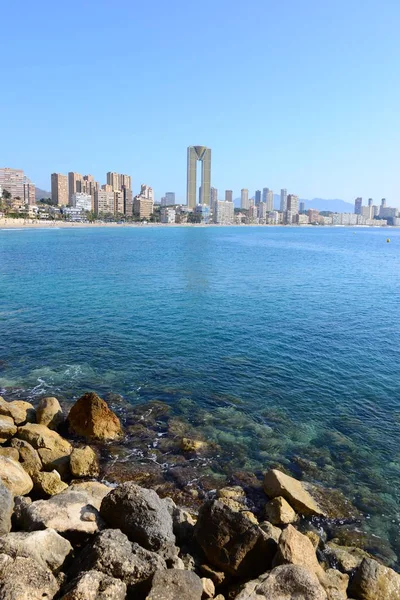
308 104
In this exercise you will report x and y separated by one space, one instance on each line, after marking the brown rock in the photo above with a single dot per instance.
91 418
208 588
14 477
28 456
190 445
53 450
49 413
7 428
10 453
296 549
19 410
279 512
236 492
287 582
277 483
48 484
373 581
84 462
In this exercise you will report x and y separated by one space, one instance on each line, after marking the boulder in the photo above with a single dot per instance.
14 477
18 516
20 411
175 583
47 547
6 508
344 558
46 484
271 531
334 583
373 581
95 491
94 585
91 418
279 512
7 428
28 456
140 514
297 549
288 582
231 542
84 462
10 453
49 413
22 578
277 484
53 450
69 513
208 588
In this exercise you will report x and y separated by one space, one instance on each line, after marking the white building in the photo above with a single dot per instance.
268 198
168 214
224 212
262 212
244 199
82 201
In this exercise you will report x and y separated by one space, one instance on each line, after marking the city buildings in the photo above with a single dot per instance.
202 212
75 181
357 206
244 199
292 208
213 197
302 207
262 212
224 212
195 154
313 215
168 214
143 203
228 196
104 202
257 197
17 184
170 198
81 200
269 199
283 204
59 189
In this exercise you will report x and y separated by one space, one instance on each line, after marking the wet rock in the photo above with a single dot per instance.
22 578
53 450
47 547
46 484
94 585
28 456
91 418
49 413
140 514
231 542
14 477
373 581
84 462
344 558
10 453
238 507
20 411
288 582
173 584
352 535
277 483
333 503
279 512
7 428
6 508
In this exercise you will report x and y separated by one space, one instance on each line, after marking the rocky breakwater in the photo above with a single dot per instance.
66 535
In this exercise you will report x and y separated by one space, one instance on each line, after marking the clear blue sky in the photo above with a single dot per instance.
297 94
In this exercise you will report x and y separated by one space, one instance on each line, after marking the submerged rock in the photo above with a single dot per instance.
94 585
49 413
91 418
22 578
174 584
14 477
277 483
373 581
288 582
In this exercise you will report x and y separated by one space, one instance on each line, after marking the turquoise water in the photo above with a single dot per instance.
280 344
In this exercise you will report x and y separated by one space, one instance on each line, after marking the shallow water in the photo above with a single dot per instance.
279 344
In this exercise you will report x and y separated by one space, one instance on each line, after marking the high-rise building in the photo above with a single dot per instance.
283 204
17 184
292 208
383 202
82 201
114 180
257 197
224 212
370 202
75 183
262 212
170 198
214 195
202 154
59 189
128 203
269 200
228 196
119 202
104 202
313 215
244 199
125 182
357 206
302 207
143 204
106 187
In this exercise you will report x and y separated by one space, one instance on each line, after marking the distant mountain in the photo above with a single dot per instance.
317 203
41 194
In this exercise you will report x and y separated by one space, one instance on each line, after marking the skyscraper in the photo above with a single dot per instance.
228 196
244 199
257 197
292 208
370 202
213 197
269 200
203 154
302 207
357 206
113 179
283 205
170 198
59 189
17 184
74 184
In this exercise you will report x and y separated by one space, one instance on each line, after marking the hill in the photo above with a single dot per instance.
41 194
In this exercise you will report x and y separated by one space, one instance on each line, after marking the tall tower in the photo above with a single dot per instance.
195 153
59 189
283 205
244 198
357 206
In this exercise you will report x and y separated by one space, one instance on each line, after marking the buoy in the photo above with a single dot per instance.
388 240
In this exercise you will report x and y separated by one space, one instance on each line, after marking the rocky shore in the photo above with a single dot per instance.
69 532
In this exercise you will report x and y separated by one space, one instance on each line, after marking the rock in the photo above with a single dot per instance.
288 582
140 514
279 512
10 453
271 531
332 502
217 577
20 411
95 490
47 547
174 584
231 542
344 558
22 578
277 483
69 513
189 445
20 505
47 484
296 549
314 538
91 418
334 583
53 450
113 554
208 588
7 428
84 462
6 508
236 492
183 523
28 456
238 507
94 585
14 477
373 581
49 413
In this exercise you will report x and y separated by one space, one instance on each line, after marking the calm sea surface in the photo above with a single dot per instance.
281 344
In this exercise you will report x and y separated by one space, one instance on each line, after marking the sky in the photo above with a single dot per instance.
296 94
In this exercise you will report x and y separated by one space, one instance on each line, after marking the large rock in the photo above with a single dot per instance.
53 450
28 456
373 581
14 477
7 428
95 491
84 462
22 578
279 512
49 413
277 484
174 584
21 411
289 582
94 585
91 418
344 558
70 513
46 484
47 547
140 514
231 542
10 452
6 508
113 554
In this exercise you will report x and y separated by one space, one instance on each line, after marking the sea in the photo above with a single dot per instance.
278 344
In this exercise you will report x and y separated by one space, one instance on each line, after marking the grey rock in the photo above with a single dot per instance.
47 547
94 585
6 508
95 490
289 582
22 578
140 514
373 581
174 584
